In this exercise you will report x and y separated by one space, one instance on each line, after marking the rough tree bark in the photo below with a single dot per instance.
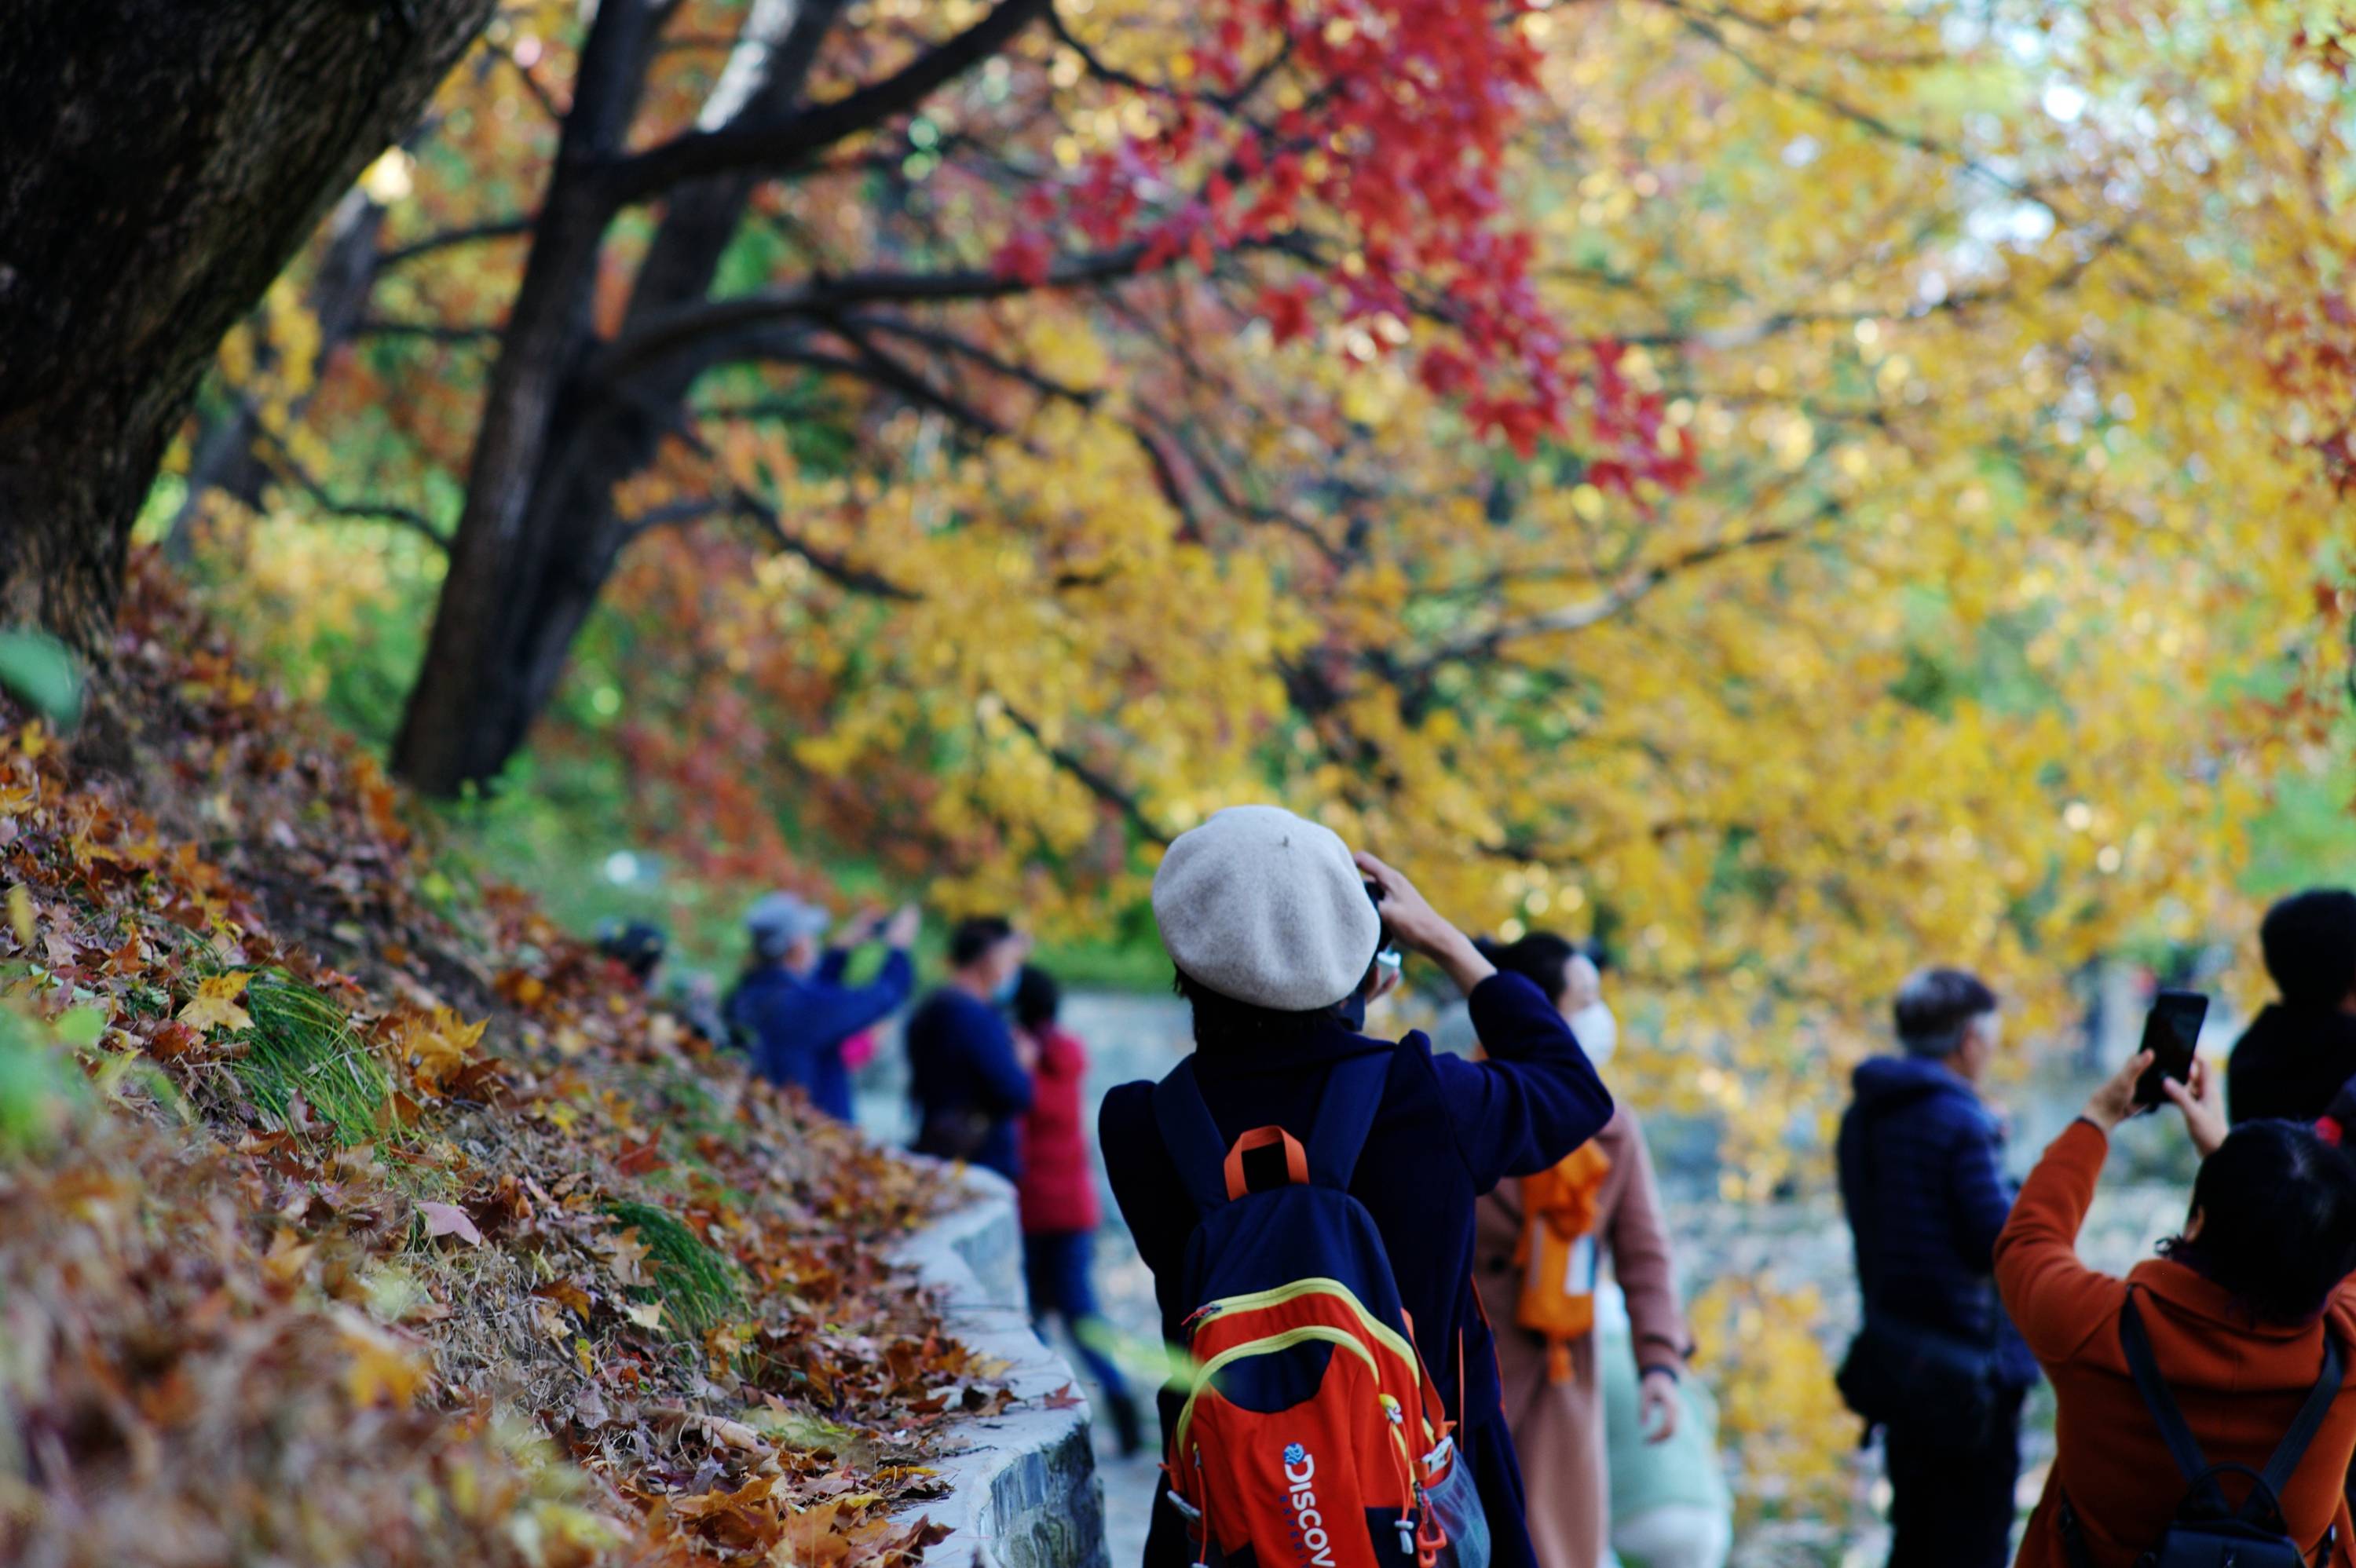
160 163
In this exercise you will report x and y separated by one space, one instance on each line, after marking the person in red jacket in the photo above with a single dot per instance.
2236 1309
1060 1207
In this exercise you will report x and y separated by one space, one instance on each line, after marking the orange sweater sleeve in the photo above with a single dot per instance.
2055 1301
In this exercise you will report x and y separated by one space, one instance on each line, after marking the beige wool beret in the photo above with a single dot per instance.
1268 908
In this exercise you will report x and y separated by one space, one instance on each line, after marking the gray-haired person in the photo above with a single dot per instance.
1938 1368
793 1008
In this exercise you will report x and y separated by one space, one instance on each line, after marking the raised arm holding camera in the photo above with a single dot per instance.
1290 1146
2203 1409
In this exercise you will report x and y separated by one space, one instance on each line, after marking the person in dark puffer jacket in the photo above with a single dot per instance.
2298 1052
1921 1183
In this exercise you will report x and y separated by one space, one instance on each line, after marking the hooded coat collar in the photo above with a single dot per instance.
1327 1039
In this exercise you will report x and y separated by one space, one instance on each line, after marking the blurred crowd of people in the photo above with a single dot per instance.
1502 1208
1590 1376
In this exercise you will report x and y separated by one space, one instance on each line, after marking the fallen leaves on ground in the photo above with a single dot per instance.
400 1229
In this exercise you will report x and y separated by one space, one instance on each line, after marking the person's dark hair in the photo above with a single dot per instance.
1223 1022
638 946
2309 940
1541 957
2278 1221
1935 1007
975 936
1037 997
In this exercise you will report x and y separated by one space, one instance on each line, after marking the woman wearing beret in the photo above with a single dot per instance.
1268 920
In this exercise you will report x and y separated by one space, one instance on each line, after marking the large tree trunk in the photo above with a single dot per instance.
533 553
160 163
481 720
465 716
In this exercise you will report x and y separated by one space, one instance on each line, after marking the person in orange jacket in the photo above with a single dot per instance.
2236 1309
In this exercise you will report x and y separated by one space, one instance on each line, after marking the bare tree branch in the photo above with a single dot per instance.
533 84
1610 602
896 374
474 234
1094 779
435 331
673 513
1698 23
670 331
283 464
783 146
834 568
951 343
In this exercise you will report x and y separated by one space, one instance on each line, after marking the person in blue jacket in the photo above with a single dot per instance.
1267 920
969 1084
793 1009
1921 1181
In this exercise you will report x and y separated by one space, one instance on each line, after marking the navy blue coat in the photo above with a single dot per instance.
794 1024
1448 1130
1922 1179
961 1061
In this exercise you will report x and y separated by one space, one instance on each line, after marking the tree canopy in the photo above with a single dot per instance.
1799 490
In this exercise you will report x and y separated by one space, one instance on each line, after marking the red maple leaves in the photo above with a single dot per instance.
1367 139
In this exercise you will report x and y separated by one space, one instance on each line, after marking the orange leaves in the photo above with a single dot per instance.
263 1258
381 1368
765 1517
436 1046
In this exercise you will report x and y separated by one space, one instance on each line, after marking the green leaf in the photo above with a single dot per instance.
37 670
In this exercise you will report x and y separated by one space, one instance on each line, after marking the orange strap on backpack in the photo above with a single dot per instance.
1557 1254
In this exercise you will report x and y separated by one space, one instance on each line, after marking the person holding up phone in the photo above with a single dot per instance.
2171 1038
2230 1327
795 1006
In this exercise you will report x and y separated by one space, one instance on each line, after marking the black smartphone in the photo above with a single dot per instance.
2170 1031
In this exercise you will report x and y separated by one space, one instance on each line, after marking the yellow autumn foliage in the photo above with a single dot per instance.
2000 599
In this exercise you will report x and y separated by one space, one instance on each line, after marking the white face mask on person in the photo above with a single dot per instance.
1598 1031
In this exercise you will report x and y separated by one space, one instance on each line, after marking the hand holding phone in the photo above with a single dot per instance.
2171 1031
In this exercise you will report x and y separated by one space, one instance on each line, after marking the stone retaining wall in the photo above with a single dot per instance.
1026 1493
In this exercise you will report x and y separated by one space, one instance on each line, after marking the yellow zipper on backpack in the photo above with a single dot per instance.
1266 1347
1258 1299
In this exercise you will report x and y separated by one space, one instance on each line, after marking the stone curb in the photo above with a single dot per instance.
1024 1487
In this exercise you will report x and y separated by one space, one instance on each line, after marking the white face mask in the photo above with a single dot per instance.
1598 1031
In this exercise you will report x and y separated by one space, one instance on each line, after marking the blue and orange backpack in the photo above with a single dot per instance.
1312 1436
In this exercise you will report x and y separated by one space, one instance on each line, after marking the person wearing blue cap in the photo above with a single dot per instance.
793 1009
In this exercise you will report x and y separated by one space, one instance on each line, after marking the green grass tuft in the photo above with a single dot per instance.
697 1287
302 1044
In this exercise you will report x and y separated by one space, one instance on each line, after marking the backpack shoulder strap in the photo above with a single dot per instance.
1346 1114
1192 1137
2311 1414
2182 1446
